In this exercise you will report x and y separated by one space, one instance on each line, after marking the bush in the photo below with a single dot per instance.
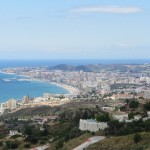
130 116
42 142
59 144
27 145
137 138
102 117
92 133
147 125
12 144
16 136
147 106
133 104
139 148
32 139
1 143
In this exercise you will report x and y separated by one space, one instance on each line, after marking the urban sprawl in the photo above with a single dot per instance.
110 86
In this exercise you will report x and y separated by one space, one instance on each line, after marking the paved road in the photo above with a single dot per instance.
40 147
89 142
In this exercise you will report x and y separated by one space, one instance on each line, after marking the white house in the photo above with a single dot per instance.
2 108
13 132
92 125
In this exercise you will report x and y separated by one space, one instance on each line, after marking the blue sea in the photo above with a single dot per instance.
12 86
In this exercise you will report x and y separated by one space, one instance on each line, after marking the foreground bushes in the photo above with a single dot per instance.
12 144
123 128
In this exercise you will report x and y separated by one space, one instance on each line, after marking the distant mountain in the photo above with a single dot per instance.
101 67
65 67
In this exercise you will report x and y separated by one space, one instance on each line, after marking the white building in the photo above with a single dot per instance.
26 99
12 103
125 118
13 132
46 95
92 125
121 118
2 108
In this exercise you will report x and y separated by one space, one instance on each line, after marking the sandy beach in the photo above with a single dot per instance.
72 90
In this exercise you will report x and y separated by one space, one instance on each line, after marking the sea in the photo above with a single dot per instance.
13 86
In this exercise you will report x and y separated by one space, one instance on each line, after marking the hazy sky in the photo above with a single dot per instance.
71 29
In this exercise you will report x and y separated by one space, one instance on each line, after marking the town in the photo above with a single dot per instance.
94 102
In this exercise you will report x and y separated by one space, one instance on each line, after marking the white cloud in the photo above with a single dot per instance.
108 9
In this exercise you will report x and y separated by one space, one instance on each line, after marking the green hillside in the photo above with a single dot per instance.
123 143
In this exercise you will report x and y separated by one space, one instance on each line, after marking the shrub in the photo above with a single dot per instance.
16 136
147 106
59 144
12 144
134 104
102 117
27 145
147 125
1 143
139 148
92 133
137 138
32 139
130 116
42 142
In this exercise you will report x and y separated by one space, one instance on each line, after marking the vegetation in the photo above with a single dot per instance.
27 145
59 144
131 115
102 117
72 143
133 104
12 144
1 143
123 128
147 106
137 138
123 143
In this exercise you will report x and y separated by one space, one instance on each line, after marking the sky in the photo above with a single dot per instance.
74 29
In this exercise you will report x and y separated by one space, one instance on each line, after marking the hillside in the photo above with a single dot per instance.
123 143
101 67
47 110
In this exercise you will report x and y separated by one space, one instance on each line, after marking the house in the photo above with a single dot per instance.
13 132
92 125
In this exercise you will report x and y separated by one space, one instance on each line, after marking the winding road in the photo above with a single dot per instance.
89 142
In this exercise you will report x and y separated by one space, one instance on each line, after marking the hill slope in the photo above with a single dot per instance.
123 143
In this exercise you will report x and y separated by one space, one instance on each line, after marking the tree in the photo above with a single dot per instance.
28 130
59 144
42 142
127 101
147 106
12 144
130 116
1 143
32 139
133 104
137 138
27 145
147 125
102 117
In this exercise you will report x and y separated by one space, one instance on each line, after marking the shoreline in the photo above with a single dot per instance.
70 89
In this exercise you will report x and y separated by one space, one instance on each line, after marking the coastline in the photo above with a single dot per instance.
70 89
